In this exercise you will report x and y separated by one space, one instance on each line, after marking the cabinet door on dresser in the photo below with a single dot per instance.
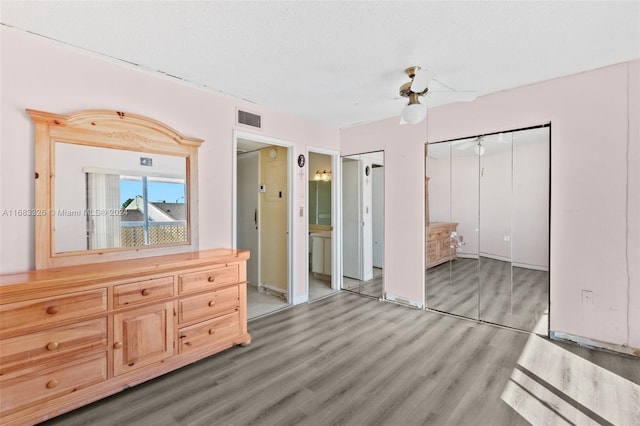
142 336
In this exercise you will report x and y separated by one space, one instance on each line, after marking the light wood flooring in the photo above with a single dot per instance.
262 303
482 289
372 288
352 360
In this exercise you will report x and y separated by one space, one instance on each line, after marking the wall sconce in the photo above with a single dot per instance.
323 175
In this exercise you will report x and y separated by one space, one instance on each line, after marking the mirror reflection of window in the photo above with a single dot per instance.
140 211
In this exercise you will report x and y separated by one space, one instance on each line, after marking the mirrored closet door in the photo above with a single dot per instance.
363 223
487 233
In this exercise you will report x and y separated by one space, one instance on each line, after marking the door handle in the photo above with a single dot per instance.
255 217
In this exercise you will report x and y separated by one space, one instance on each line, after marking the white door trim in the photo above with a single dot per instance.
291 182
336 216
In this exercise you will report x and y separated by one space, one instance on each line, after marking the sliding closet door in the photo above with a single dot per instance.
452 228
496 191
439 290
487 198
465 198
530 229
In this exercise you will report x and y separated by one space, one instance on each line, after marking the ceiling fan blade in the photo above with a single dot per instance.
453 96
421 80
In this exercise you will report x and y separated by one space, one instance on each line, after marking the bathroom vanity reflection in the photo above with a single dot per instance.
491 193
320 228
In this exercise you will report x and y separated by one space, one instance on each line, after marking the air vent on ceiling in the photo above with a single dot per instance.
249 119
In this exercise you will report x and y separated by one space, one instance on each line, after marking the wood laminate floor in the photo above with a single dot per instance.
372 288
490 290
352 360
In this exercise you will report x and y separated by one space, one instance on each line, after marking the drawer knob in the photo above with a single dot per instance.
211 278
117 345
52 346
212 303
52 310
212 331
52 384
145 292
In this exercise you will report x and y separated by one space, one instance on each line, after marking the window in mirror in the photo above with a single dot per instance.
108 199
154 211
86 161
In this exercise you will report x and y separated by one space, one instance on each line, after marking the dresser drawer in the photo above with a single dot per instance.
438 233
207 305
43 385
35 348
208 279
142 291
209 332
36 312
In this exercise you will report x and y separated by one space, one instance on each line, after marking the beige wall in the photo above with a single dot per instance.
273 218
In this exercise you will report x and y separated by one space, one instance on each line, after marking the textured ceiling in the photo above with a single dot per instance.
341 63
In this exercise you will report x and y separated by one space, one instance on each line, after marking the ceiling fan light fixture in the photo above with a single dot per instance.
414 113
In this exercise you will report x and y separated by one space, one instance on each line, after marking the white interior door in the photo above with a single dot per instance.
351 220
248 234
378 217
366 209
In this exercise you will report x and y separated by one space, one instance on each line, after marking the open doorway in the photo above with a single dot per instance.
363 223
322 224
262 220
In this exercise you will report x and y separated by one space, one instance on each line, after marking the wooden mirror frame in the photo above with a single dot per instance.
105 129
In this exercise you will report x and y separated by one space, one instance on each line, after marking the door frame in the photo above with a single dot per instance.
384 228
291 185
336 217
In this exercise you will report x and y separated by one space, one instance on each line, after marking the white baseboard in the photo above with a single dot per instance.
592 343
403 301
275 291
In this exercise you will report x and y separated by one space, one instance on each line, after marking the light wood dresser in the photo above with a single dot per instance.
73 335
441 247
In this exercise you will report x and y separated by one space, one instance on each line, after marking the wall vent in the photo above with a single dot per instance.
249 119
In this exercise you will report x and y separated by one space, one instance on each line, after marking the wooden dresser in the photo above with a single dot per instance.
73 335
440 246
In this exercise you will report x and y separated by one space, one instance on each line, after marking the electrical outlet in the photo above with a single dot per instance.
587 297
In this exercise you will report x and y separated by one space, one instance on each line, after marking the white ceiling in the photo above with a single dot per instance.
341 63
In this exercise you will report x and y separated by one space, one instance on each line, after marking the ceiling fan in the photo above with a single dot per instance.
414 112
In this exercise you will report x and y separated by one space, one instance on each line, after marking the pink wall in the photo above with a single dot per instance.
595 167
595 186
40 74
403 148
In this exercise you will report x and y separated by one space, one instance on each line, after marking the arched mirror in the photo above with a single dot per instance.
110 186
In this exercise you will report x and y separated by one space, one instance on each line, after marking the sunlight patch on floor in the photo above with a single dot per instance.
551 385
